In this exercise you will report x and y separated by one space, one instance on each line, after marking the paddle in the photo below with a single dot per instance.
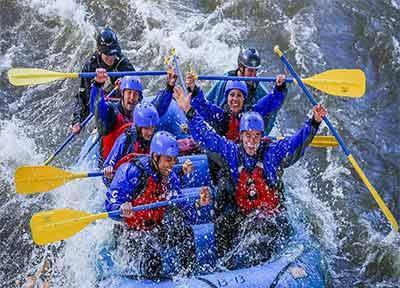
72 135
338 82
36 179
353 162
33 179
60 224
34 76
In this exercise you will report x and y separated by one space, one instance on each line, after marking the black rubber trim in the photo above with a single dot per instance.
277 278
207 282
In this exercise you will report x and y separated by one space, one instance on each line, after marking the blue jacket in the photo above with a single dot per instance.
128 184
218 118
216 95
275 156
106 112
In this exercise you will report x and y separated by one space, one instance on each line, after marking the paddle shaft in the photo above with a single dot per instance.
69 139
240 78
123 73
100 173
72 135
374 193
159 204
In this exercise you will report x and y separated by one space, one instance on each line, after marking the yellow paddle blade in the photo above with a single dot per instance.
321 141
33 179
60 224
339 82
33 76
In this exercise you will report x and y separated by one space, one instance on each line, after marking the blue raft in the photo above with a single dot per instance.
298 265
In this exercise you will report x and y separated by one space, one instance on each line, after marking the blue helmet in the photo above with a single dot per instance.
107 42
249 58
251 121
239 85
145 115
132 83
164 143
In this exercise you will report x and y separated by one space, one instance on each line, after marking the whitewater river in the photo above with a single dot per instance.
322 188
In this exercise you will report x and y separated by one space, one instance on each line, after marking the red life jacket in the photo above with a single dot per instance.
233 128
131 156
119 127
254 193
148 219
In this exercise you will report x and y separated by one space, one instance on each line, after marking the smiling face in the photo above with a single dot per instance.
131 98
251 141
235 100
165 164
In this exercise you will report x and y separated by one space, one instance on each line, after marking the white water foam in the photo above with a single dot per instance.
202 41
303 39
301 200
17 148
396 52
5 62
67 10
395 4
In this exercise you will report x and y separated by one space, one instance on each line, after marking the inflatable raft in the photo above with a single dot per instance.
298 265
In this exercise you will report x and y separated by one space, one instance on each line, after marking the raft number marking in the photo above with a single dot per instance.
239 279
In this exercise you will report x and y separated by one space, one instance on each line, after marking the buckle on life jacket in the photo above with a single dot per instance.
253 192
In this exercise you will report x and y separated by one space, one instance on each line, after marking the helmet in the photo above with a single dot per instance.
107 42
249 58
145 115
239 85
164 143
251 121
132 83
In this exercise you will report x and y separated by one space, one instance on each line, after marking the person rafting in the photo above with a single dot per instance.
254 205
136 141
249 62
112 119
108 55
226 120
145 180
